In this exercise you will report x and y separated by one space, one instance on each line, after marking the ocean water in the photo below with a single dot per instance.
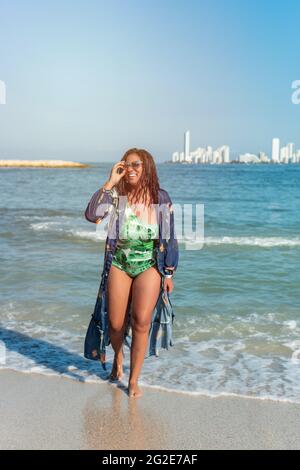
236 300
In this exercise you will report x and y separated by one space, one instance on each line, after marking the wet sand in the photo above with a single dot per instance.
50 412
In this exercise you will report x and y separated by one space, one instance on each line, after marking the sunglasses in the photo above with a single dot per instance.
134 165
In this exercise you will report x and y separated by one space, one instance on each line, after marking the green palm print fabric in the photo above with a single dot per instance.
135 248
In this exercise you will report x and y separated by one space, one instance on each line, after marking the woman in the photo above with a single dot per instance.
141 257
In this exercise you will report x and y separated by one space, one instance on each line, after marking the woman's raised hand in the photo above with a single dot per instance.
115 176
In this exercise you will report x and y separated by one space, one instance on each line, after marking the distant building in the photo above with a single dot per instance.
187 146
175 157
290 151
226 158
275 150
249 158
263 157
283 156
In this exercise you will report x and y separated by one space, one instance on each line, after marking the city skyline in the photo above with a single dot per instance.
201 154
221 155
283 155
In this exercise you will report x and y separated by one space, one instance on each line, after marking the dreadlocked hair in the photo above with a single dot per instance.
148 182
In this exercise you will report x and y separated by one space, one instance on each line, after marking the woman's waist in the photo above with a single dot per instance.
138 243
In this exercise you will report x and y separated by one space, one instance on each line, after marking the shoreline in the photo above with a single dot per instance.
42 164
159 388
55 412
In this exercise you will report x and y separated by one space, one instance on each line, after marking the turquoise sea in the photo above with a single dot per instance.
236 300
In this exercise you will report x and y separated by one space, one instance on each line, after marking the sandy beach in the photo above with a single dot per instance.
48 412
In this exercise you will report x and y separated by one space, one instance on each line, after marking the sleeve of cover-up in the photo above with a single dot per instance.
98 206
170 243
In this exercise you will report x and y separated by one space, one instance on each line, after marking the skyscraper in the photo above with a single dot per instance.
290 147
275 150
187 146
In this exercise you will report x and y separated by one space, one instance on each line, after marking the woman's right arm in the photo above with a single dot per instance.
98 207
102 200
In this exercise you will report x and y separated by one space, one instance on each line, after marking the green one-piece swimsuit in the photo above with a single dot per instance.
135 247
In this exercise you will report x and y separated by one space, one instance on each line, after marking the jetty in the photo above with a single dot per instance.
42 164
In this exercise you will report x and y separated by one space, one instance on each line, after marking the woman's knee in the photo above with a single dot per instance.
141 323
116 328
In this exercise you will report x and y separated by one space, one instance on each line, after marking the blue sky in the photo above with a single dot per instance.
86 80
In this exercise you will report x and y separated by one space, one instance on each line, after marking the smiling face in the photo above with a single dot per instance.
133 173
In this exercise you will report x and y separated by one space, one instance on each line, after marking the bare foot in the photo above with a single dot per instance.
134 391
117 371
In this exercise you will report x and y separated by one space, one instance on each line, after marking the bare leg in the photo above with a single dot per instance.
145 292
118 289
